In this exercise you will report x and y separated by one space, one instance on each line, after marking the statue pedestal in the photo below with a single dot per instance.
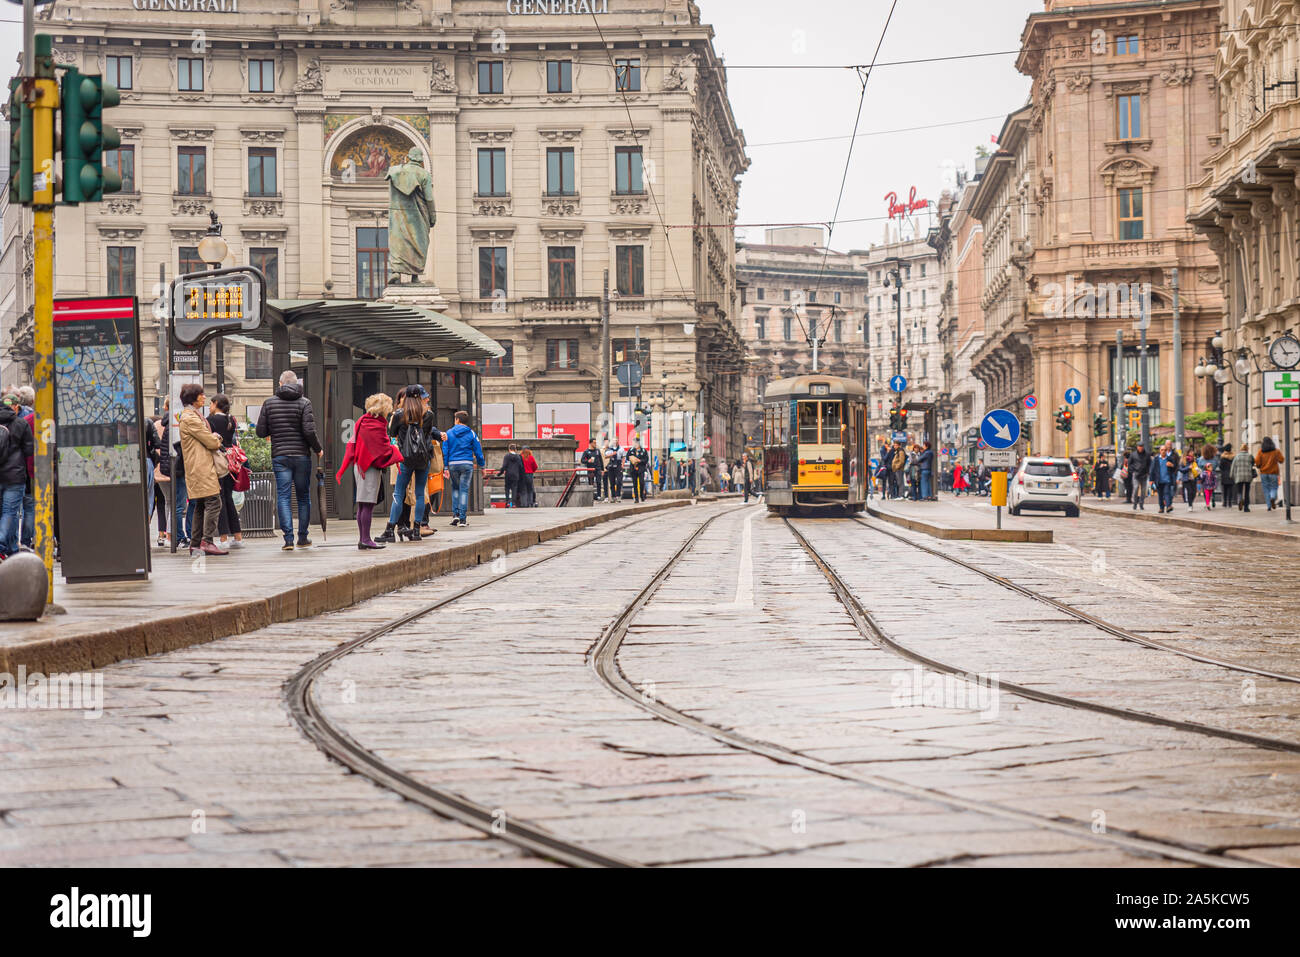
425 295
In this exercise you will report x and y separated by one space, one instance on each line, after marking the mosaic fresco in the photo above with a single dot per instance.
368 153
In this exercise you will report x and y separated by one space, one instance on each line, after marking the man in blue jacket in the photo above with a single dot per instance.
462 450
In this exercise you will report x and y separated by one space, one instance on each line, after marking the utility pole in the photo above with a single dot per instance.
42 91
1118 390
1178 371
1142 370
605 411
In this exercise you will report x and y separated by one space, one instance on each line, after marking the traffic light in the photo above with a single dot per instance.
20 145
1064 419
893 420
86 136
902 420
1098 424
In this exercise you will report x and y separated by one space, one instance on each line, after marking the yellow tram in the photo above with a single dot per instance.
815 444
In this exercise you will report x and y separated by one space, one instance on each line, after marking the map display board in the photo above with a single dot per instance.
96 409
99 440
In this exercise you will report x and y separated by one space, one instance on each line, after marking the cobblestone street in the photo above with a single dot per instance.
792 737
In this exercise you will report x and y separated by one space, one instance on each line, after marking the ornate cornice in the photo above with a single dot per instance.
119 233
491 136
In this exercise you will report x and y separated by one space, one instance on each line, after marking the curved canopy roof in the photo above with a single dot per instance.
801 386
382 330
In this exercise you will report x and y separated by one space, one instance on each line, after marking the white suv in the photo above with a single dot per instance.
1045 483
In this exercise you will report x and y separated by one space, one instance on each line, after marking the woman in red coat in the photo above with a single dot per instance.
959 483
369 453
530 466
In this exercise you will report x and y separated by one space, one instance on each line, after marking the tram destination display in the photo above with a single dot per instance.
223 300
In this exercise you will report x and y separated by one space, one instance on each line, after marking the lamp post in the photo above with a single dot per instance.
213 251
1217 367
894 275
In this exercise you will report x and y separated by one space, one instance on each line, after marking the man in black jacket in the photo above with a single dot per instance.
16 446
592 463
637 461
1139 470
512 470
287 420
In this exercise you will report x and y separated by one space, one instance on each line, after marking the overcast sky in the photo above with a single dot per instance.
799 182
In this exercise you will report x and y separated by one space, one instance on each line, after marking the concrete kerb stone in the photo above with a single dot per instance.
947 533
341 590
1194 524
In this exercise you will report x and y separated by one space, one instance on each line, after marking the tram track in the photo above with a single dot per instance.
305 708
1114 630
603 658
872 630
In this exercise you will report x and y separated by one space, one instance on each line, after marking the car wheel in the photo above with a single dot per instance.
1013 509
1071 511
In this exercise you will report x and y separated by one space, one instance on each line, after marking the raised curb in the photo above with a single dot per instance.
308 599
1037 536
1194 524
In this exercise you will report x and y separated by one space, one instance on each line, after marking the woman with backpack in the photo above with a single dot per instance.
412 427
369 453
1243 473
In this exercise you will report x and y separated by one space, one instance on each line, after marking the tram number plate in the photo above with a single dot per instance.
819 467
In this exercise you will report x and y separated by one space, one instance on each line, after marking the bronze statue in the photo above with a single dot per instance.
410 216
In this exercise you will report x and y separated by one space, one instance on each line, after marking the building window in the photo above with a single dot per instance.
630 264
261 171
787 328
839 330
122 159
121 270
491 76
909 300
625 350
760 326
117 71
908 333
1130 214
503 367
559 76
627 75
491 272
191 170
924 332
627 170
267 259
492 172
257 363
907 272
1127 46
261 76
562 269
188 260
877 304
189 74
925 365
762 293
877 275
1130 117
372 262
880 338
561 354
922 298
837 299
787 294
812 296
922 270
559 172
880 369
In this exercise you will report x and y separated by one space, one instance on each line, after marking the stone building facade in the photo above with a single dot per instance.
1123 117
922 347
560 145
959 242
1248 204
795 288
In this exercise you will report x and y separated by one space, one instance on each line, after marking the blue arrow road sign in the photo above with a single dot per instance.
1072 396
1000 429
898 384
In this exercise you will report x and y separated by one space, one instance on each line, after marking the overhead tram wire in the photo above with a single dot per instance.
864 78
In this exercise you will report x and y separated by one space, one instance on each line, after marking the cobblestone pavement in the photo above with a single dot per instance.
493 697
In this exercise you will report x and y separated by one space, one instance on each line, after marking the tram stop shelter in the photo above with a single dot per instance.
355 348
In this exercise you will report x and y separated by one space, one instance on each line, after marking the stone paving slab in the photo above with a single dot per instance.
188 602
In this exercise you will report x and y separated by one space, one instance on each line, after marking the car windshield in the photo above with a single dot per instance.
1053 469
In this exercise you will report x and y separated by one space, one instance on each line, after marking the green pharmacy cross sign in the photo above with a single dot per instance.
1281 388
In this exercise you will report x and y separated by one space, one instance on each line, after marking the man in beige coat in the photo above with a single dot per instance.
198 442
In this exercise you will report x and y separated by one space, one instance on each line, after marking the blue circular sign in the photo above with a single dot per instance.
1000 429
898 384
1073 396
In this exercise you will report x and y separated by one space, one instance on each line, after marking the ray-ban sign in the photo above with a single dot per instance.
912 204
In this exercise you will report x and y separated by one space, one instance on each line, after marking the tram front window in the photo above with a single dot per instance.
808 430
831 421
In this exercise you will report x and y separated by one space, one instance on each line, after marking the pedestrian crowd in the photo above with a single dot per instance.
1217 477
907 470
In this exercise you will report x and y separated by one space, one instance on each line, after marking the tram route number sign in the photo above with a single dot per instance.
207 303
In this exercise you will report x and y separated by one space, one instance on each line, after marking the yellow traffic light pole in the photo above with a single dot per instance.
44 105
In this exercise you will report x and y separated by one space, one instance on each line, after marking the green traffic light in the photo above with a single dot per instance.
86 137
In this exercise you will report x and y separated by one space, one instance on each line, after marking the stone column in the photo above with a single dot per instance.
444 249
312 214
